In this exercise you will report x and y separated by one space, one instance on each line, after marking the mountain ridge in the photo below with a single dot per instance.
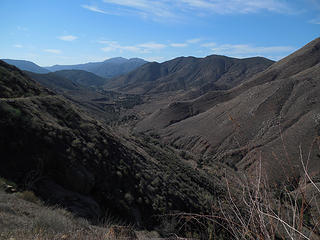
82 77
26 65
109 68
186 73
236 123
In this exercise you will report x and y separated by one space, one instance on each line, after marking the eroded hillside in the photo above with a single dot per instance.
274 113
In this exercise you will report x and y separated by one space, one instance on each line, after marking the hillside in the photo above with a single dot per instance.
109 68
76 86
26 65
189 73
81 77
54 81
271 115
187 168
74 161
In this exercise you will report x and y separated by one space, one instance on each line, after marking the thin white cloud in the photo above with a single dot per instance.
209 44
93 9
68 38
237 6
55 51
140 48
175 9
24 29
152 45
245 50
145 8
115 46
107 42
315 21
194 40
315 6
17 46
155 59
178 45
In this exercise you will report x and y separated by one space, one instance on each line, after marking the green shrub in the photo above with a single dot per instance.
12 111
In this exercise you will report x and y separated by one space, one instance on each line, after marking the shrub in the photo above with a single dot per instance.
28 196
48 220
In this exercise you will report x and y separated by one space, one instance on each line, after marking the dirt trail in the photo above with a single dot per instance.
25 98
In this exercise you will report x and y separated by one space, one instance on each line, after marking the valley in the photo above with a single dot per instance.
205 148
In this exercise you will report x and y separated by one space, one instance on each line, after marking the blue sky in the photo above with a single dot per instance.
51 32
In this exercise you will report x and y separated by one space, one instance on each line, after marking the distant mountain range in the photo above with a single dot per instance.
26 65
186 73
109 68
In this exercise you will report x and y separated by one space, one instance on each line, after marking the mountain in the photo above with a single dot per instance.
72 160
26 65
109 68
190 165
273 116
81 77
54 81
66 80
189 73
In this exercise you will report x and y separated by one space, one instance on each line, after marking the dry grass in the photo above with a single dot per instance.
260 212
28 196
253 209
24 216
21 218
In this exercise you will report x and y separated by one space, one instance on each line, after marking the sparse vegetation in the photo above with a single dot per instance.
22 219
202 185
28 196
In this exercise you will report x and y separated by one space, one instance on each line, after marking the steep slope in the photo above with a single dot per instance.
81 77
70 159
189 73
273 113
26 65
109 68
54 81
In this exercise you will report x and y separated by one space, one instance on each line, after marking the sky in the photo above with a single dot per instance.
49 32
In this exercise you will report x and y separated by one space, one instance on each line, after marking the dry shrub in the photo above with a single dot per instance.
256 212
252 209
28 196
121 232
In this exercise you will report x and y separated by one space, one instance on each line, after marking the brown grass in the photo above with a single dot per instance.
23 216
253 209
